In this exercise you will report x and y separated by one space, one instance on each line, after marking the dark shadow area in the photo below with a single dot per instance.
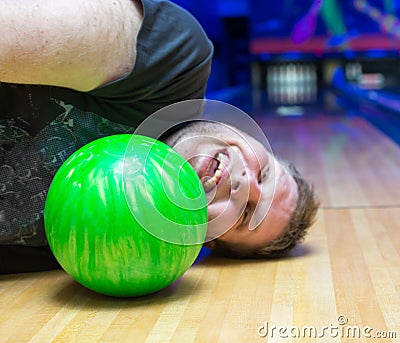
73 294
300 251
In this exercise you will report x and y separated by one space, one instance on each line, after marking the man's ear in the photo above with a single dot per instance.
210 245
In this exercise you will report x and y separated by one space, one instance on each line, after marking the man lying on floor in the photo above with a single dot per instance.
73 71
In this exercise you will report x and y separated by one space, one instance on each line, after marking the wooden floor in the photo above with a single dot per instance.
343 281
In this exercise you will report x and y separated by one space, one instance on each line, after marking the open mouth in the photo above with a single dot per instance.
215 170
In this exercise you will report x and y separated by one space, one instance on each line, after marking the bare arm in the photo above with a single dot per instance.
78 44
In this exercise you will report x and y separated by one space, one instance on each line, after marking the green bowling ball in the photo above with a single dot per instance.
126 215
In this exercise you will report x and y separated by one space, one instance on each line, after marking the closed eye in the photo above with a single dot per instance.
264 174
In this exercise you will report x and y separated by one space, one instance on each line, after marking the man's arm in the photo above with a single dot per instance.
78 44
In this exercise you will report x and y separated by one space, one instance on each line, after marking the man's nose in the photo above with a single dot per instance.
247 183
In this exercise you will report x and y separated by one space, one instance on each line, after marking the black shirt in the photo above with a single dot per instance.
41 126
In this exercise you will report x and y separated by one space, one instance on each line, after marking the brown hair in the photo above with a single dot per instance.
302 218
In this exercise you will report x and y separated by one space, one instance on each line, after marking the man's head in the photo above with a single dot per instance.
257 205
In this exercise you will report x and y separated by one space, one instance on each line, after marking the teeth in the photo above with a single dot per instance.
212 181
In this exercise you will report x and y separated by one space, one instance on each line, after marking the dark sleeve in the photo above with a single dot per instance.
23 259
172 64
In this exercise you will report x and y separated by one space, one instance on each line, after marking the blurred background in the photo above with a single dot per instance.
304 57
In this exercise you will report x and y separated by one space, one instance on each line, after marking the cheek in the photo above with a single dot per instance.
217 209
222 216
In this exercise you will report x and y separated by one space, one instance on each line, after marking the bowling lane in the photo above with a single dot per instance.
350 162
347 269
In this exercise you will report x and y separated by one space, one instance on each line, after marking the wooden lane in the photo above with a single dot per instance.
350 162
366 268
350 266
